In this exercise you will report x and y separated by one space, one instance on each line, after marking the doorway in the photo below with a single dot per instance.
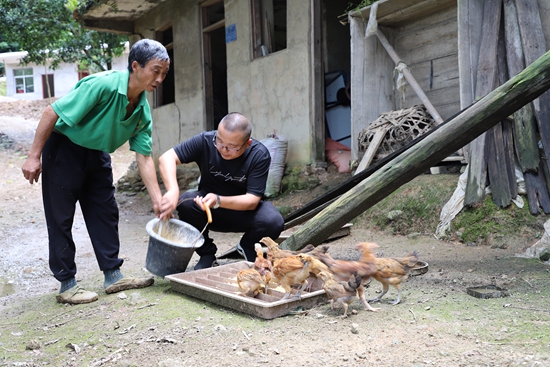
215 62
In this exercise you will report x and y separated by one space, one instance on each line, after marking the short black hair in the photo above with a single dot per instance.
145 50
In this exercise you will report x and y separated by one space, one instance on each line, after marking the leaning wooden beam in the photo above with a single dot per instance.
457 132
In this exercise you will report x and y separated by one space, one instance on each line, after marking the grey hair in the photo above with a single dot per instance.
237 122
145 50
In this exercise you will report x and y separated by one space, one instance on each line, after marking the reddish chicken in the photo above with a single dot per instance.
263 266
364 268
393 271
340 292
293 270
250 282
275 253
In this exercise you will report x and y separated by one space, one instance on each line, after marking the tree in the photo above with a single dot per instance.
47 30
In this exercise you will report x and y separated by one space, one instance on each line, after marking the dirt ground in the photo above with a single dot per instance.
437 323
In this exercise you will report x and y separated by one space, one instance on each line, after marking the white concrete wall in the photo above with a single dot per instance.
273 91
65 76
176 122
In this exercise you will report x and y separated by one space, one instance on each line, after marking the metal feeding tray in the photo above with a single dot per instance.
487 291
219 285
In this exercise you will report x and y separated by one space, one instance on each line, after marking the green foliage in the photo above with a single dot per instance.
47 30
352 7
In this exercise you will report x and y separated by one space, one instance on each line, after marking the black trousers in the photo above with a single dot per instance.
71 173
265 221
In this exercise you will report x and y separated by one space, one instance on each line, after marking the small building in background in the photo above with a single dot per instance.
29 82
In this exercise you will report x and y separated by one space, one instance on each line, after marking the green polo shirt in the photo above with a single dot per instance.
92 114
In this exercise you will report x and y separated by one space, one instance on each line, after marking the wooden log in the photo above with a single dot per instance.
447 138
525 124
486 81
371 151
534 45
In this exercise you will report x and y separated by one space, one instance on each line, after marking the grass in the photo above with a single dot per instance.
417 205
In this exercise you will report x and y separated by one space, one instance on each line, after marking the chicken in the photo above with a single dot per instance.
293 270
364 268
393 271
274 252
263 266
340 292
250 282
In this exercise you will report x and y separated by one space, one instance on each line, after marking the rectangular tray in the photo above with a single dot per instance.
219 285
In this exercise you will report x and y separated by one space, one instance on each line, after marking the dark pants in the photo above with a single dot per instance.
71 173
265 221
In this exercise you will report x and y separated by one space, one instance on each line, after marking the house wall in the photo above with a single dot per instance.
176 122
273 91
65 77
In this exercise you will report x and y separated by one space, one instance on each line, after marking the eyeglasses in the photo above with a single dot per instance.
218 145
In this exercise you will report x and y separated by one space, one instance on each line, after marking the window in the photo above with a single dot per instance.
24 81
268 26
165 93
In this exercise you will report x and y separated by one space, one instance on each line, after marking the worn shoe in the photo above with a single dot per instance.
76 295
129 282
206 261
240 250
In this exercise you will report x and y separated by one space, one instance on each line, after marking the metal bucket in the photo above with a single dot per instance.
169 252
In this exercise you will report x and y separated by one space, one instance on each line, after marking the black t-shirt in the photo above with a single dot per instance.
245 174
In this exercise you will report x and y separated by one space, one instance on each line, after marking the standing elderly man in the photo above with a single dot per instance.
234 171
74 138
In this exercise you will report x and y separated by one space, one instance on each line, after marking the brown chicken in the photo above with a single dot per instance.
340 292
263 266
250 282
393 271
293 270
364 268
275 253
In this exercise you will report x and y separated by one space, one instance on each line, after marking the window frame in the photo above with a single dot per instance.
24 78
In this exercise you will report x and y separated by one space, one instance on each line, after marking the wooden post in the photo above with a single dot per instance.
457 132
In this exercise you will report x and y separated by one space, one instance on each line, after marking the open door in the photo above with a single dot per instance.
215 63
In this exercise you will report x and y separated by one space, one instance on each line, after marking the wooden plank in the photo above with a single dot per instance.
497 163
395 12
537 192
469 13
446 139
525 129
358 78
533 46
506 144
486 81
371 80
496 168
507 132
371 150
